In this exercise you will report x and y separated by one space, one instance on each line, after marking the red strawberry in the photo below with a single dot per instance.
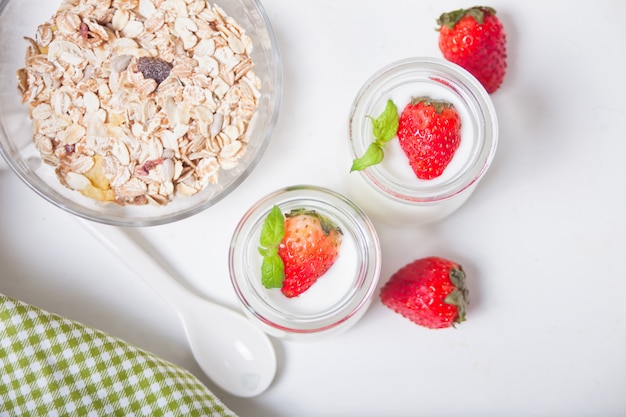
309 248
475 39
430 133
297 249
430 292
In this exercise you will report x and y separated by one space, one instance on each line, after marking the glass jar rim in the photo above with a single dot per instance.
453 79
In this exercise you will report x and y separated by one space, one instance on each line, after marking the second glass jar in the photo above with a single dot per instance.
390 191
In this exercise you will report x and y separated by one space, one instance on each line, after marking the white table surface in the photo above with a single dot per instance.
543 238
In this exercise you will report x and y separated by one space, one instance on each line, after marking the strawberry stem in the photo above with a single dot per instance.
450 19
439 105
325 222
459 297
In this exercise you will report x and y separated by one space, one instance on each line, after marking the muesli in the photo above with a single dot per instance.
139 101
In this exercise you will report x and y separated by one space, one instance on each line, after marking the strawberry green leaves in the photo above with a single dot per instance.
450 19
272 233
384 128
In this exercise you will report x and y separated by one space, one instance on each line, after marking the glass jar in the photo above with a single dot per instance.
390 191
336 300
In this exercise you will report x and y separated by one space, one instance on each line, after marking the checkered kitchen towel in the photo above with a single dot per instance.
51 366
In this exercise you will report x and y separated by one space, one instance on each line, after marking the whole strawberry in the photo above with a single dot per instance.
474 38
430 292
429 132
297 248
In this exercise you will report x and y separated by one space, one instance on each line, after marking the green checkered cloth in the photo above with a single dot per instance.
54 367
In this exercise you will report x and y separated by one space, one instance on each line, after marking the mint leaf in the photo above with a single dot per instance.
273 228
384 128
268 251
272 271
272 233
372 156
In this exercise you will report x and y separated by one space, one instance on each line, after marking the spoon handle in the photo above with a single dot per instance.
141 263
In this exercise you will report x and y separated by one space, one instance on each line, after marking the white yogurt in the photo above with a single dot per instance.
390 191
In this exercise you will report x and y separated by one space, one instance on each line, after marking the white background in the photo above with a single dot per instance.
542 239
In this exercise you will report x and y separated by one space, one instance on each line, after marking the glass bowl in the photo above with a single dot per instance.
21 18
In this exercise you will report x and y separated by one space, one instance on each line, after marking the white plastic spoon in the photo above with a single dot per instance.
234 354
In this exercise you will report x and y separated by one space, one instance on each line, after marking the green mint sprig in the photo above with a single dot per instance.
272 233
384 128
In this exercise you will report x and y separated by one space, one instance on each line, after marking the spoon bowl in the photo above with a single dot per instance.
237 356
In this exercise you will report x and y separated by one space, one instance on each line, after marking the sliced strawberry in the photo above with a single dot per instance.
309 246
